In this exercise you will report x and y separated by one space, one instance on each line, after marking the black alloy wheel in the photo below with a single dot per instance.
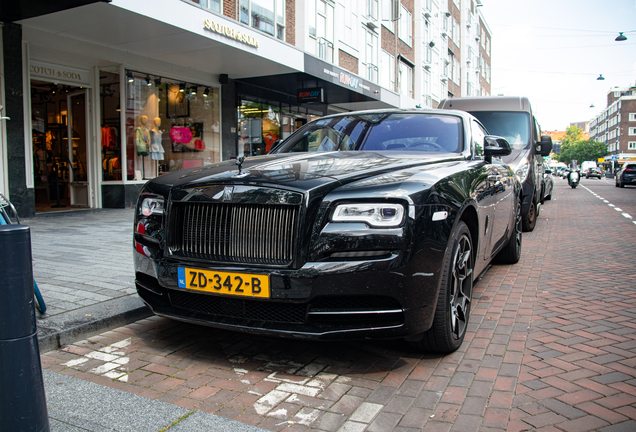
455 296
530 220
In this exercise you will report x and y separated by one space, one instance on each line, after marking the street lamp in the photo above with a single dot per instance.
600 78
621 37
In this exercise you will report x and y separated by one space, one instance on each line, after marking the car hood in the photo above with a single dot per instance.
302 171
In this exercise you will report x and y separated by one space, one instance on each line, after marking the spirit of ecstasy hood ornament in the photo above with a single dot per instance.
239 162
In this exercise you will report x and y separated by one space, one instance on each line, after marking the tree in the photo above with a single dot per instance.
580 151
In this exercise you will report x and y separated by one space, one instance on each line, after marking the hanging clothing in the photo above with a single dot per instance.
109 137
156 149
142 139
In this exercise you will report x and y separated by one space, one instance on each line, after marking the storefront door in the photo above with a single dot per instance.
77 104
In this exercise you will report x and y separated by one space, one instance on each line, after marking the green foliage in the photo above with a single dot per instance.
580 151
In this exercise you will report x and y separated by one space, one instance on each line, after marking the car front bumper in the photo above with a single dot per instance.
325 300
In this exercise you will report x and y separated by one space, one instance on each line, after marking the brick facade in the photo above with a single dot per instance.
290 22
229 9
348 62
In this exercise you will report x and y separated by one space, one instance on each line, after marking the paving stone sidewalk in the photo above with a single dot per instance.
551 347
82 263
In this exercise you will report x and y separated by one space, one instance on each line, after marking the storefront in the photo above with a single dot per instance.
126 97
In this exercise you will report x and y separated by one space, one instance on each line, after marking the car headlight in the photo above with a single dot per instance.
378 215
151 206
522 170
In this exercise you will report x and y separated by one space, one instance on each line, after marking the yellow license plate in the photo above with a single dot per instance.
227 283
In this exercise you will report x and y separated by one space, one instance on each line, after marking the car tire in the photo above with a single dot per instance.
542 200
455 295
621 185
530 221
616 183
549 196
511 253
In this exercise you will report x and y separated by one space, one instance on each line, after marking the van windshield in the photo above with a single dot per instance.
514 126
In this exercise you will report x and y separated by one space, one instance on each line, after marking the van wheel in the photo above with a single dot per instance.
530 221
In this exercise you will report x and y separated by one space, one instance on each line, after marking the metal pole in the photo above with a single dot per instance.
22 399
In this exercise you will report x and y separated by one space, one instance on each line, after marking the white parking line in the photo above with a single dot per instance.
625 215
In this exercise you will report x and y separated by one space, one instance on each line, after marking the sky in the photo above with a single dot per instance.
553 51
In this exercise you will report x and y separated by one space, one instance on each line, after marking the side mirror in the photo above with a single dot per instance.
544 147
495 146
548 171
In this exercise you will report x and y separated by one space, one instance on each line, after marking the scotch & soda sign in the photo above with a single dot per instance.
230 32
55 73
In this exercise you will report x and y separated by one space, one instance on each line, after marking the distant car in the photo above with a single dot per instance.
626 176
548 185
593 172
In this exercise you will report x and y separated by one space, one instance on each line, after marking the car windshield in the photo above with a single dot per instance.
514 126
378 132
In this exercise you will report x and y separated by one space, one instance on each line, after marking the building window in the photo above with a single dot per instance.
426 39
632 116
371 56
389 14
631 145
456 71
267 16
406 80
214 5
631 131
372 9
350 25
320 17
426 88
387 76
406 25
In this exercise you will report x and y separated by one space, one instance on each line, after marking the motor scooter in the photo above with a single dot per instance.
574 177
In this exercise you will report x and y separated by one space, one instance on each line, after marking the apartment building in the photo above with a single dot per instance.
103 95
616 125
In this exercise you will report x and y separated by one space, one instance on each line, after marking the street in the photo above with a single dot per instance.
551 346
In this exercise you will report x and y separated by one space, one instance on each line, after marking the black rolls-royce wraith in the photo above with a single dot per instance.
370 224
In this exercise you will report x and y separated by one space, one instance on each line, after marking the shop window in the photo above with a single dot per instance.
109 91
214 5
170 125
259 127
267 16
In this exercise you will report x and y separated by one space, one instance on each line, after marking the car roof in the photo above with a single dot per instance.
488 103
431 111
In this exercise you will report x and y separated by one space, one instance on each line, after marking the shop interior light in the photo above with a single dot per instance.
129 76
148 81
181 87
157 81
206 92
118 109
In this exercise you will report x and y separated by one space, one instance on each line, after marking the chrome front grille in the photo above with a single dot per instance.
238 233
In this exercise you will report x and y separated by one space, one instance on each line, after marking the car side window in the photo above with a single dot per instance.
479 133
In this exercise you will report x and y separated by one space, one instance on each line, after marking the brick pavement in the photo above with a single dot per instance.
551 347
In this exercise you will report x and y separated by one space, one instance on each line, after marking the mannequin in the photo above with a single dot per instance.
156 149
142 137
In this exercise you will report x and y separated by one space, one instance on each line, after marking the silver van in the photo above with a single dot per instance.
512 118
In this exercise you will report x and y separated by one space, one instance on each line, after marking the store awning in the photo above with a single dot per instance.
11 10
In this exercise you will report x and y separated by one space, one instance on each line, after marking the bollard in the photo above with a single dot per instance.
22 398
